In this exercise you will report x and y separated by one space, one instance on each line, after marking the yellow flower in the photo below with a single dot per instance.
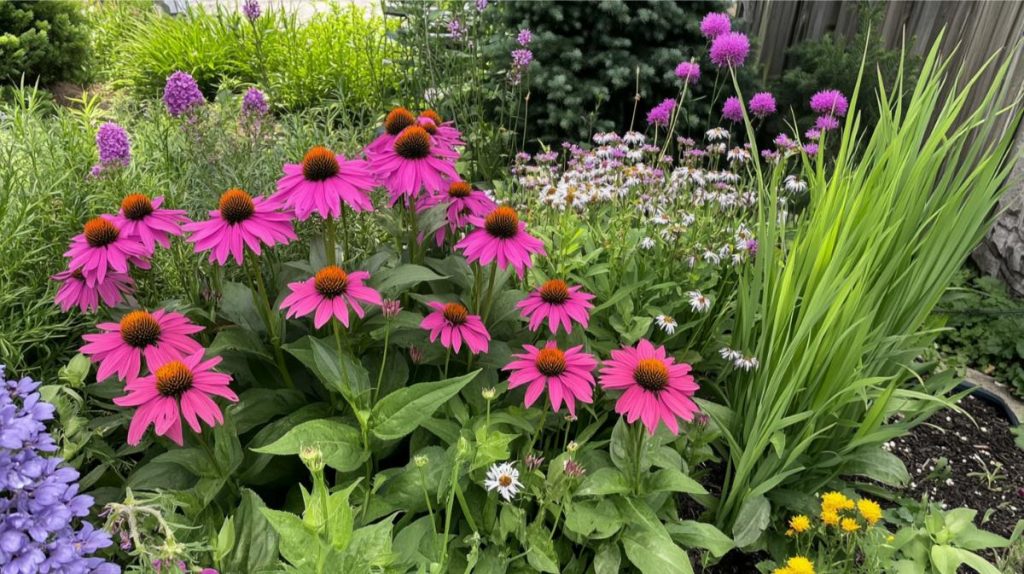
800 565
870 510
850 525
800 523
782 571
835 502
790 532
830 517
890 538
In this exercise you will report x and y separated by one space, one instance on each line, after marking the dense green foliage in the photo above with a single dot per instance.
42 41
588 57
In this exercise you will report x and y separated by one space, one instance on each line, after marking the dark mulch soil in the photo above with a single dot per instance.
970 448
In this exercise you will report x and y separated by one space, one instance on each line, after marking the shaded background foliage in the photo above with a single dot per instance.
44 41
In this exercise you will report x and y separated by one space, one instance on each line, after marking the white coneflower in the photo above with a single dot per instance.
746 363
647 243
659 219
717 134
793 184
699 302
634 138
712 257
666 323
504 478
730 354
738 155
717 148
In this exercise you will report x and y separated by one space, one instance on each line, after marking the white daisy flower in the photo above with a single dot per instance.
699 302
666 323
717 134
504 478
647 243
729 354
633 138
794 185
746 363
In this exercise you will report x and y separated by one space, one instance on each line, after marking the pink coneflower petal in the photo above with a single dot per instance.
454 325
103 248
74 291
413 163
657 389
241 220
144 220
120 347
330 293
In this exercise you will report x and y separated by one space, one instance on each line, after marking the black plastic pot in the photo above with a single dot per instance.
991 398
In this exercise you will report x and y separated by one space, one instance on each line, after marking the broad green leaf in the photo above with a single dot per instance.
297 544
878 464
540 549
752 521
195 460
604 481
237 304
340 520
369 550
654 553
594 519
226 448
399 413
491 447
239 339
340 372
672 480
225 538
973 538
404 276
340 443
694 534
255 541
607 559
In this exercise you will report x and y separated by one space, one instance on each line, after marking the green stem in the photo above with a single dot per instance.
263 301
383 362
447 357
346 255
640 439
329 241
490 293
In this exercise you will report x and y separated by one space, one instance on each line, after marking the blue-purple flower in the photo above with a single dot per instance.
689 72
113 145
251 9
39 500
181 93
762 104
730 49
254 103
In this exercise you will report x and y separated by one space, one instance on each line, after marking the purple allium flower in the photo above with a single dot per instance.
730 49
39 500
521 58
812 134
811 149
830 102
715 24
661 113
481 5
689 72
456 30
181 93
113 144
783 141
762 104
826 123
254 103
732 109
525 37
251 9
769 155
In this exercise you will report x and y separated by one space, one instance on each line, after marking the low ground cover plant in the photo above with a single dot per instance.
307 344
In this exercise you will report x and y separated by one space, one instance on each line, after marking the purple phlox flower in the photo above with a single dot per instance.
715 24
762 104
251 9
830 102
661 113
113 145
732 109
456 30
730 49
524 37
254 103
481 5
181 93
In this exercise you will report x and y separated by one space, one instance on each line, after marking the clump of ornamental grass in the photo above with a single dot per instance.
838 314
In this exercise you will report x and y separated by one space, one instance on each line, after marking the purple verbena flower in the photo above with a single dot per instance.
830 102
732 109
251 9
762 104
689 72
661 113
525 37
715 24
730 49
181 93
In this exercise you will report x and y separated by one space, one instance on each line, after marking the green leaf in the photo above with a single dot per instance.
194 460
341 373
369 550
603 482
404 276
541 550
239 339
225 539
401 412
254 545
491 447
694 534
878 464
672 480
236 303
654 553
607 559
340 519
594 519
340 443
297 544
752 520
227 448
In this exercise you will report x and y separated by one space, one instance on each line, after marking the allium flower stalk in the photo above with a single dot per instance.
40 508
181 93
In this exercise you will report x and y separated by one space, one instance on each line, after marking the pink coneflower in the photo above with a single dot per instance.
715 24
330 293
102 248
463 202
413 163
730 50
826 123
732 109
143 219
159 336
565 374
454 324
397 120
689 72
74 291
177 387
762 104
830 103
656 387
501 236
441 133
559 304
241 220
322 182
